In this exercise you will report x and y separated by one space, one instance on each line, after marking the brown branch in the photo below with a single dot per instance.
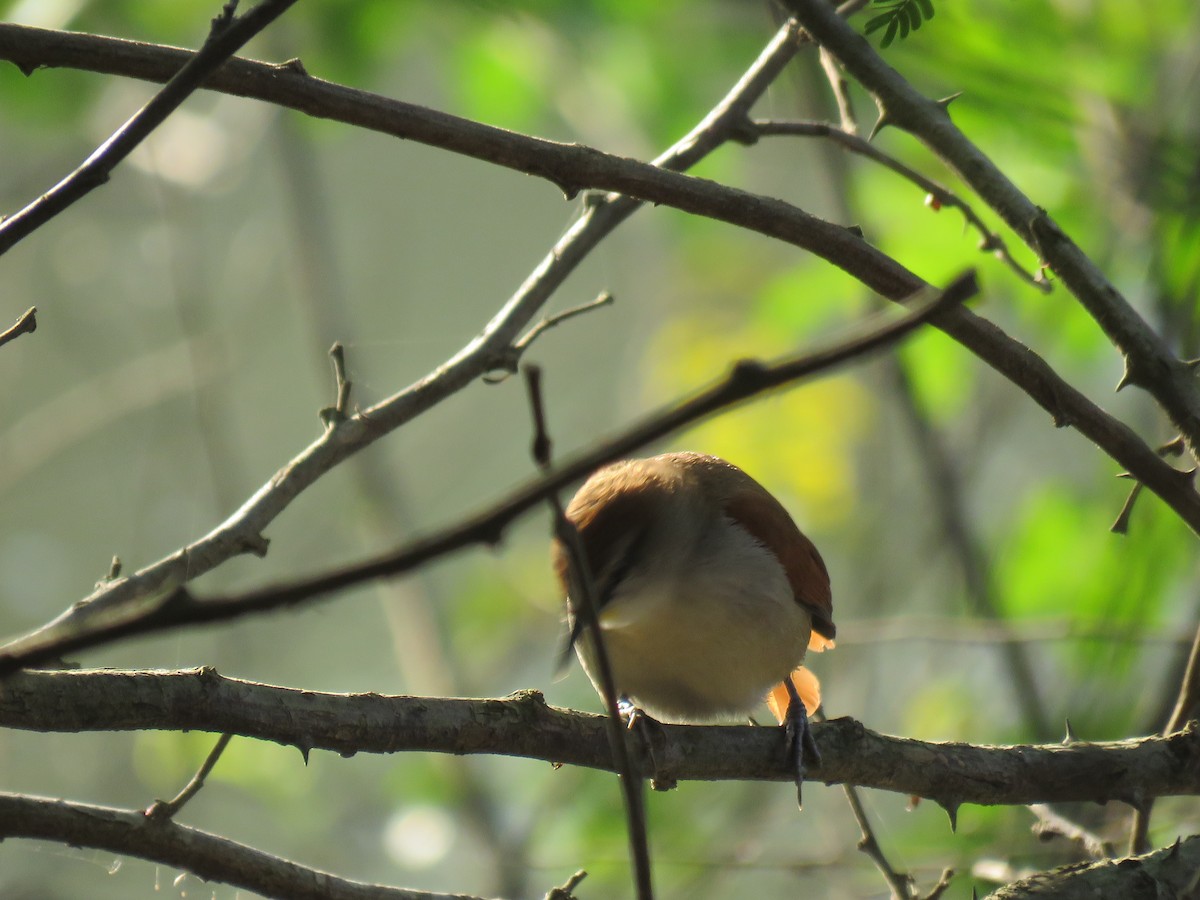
27 324
1169 872
208 856
990 241
1149 363
517 350
242 532
524 726
176 608
1051 824
228 35
1187 708
289 86
167 809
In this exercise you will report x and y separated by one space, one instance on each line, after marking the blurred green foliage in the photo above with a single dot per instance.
1088 105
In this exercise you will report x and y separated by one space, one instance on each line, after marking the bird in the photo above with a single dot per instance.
707 594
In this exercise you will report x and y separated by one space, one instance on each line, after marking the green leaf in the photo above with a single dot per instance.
926 8
878 22
902 20
914 15
890 34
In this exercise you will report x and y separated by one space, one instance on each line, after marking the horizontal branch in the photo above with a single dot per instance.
523 725
177 608
163 841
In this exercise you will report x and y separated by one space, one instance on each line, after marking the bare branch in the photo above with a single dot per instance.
205 855
1149 363
1051 824
167 809
27 324
242 532
900 883
227 36
177 607
1169 872
942 197
524 726
519 346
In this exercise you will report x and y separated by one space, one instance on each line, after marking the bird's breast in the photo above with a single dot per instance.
706 637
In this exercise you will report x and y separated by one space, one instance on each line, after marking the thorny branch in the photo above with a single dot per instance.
943 197
524 726
748 378
242 532
582 167
1149 363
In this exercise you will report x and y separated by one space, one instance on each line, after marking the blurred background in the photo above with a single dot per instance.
185 313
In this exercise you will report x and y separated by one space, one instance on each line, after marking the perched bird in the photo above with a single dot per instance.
707 594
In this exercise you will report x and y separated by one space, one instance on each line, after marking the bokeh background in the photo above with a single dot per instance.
185 311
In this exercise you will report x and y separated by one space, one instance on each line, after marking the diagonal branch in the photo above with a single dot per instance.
26 324
242 532
524 726
989 240
579 167
177 607
1149 363
228 35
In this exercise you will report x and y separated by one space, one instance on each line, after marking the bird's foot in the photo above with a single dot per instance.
650 735
801 747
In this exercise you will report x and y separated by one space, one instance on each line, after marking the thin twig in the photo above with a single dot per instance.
941 196
840 88
942 886
27 324
1051 824
585 603
334 415
513 358
565 890
944 484
1187 708
166 809
1149 362
1174 447
177 607
900 883
226 37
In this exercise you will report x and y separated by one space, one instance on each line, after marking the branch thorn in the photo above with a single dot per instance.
1069 736
944 103
951 808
